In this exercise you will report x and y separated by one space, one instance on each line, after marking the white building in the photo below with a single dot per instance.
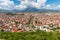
45 27
20 26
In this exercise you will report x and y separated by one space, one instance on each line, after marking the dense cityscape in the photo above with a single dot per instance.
22 22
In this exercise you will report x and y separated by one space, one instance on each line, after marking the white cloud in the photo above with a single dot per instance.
32 3
58 6
9 5
48 6
6 4
20 7
52 7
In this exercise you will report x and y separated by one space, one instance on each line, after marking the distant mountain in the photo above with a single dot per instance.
36 10
1 10
30 10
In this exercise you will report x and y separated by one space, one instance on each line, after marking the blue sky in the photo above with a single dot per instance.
22 5
56 2
16 2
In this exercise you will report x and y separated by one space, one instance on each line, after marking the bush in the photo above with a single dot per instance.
38 35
